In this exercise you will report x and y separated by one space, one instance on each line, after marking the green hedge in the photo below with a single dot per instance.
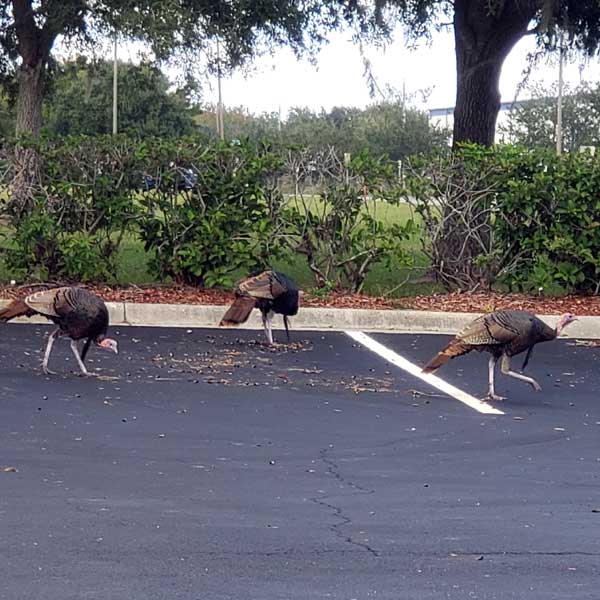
550 208
78 212
230 219
204 211
530 218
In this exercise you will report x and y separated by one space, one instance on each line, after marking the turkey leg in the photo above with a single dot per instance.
51 339
491 391
75 349
505 368
267 318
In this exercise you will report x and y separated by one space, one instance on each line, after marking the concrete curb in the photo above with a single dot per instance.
316 319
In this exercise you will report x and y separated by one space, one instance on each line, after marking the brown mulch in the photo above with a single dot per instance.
488 301
454 302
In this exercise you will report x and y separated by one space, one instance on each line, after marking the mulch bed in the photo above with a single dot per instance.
455 302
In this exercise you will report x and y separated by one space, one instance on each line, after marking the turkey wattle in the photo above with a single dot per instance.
79 314
504 334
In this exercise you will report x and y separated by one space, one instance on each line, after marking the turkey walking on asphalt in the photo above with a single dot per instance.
271 292
79 314
504 334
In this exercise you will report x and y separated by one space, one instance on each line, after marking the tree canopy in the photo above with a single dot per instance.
386 128
532 123
80 101
485 32
29 30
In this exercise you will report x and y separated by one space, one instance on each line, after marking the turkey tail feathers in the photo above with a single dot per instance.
17 308
435 363
238 312
454 348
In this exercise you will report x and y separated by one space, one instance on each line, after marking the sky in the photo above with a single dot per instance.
337 79
281 81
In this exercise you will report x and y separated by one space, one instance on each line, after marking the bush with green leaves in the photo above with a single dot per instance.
79 211
549 219
335 219
506 215
228 221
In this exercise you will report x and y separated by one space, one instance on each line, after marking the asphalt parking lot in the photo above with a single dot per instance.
206 466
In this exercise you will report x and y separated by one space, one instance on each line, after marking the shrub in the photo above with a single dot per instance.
228 220
336 225
507 215
79 211
550 219
455 196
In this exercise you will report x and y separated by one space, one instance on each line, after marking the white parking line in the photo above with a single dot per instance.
429 378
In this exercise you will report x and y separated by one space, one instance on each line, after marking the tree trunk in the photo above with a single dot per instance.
483 38
29 122
31 96
485 32
34 44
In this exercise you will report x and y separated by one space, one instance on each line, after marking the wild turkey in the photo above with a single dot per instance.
79 314
271 292
504 334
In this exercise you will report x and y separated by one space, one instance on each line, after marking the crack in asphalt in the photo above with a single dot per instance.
422 555
525 553
333 469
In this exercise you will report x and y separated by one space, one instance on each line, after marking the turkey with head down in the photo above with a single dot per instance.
504 334
271 292
79 314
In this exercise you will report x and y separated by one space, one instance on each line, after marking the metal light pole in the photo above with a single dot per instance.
559 107
220 120
115 87
403 101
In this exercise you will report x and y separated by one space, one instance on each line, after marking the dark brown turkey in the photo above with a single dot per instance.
79 314
271 292
504 334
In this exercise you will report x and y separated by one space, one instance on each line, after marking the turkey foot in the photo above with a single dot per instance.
494 397
536 386
91 374
275 345
104 377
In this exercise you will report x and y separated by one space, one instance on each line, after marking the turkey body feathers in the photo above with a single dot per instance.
505 332
454 348
270 292
78 313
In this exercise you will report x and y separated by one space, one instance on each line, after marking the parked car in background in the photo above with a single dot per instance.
185 179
